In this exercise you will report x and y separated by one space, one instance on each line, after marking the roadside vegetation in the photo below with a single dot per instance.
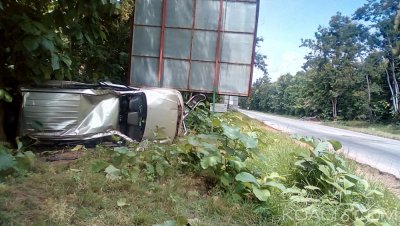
391 131
230 170
352 71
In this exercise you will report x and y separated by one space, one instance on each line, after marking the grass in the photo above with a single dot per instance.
64 194
70 193
391 131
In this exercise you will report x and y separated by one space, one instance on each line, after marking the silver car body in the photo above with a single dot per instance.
66 114
164 113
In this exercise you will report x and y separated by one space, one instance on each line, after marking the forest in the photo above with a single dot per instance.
352 70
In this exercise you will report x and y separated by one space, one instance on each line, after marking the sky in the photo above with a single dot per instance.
283 23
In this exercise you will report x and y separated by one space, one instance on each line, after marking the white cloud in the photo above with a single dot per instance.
287 62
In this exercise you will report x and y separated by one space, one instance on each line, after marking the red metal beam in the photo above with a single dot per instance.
160 63
216 68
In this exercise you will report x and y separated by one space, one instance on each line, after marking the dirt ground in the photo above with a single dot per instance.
374 175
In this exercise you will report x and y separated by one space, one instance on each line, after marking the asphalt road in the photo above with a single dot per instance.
380 153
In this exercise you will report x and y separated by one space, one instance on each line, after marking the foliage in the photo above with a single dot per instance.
350 71
396 50
43 40
383 37
220 156
14 163
259 59
149 183
4 95
325 176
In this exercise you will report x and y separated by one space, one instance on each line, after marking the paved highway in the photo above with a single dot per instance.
380 153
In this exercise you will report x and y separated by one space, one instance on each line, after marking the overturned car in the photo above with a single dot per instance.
61 112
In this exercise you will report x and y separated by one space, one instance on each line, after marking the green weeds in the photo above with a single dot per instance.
228 172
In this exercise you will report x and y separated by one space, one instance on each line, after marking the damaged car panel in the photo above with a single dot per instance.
60 113
160 101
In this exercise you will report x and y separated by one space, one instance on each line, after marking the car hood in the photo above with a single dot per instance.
164 113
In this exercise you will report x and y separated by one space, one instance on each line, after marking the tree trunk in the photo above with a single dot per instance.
394 103
334 108
396 91
369 98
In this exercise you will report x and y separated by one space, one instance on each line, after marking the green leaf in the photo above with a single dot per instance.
122 202
231 132
2 92
276 185
6 160
55 62
99 166
216 122
346 183
103 2
360 207
25 161
160 169
67 61
309 187
78 35
149 168
238 165
103 35
248 141
325 170
335 144
246 178
261 194
7 97
78 147
48 44
31 42
20 144
321 148
374 192
275 175
112 173
88 38
209 161
193 141
121 150
226 179
131 154
30 28
40 26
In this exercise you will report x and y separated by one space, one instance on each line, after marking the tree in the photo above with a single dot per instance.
396 50
334 54
59 39
259 59
383 38
38 39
